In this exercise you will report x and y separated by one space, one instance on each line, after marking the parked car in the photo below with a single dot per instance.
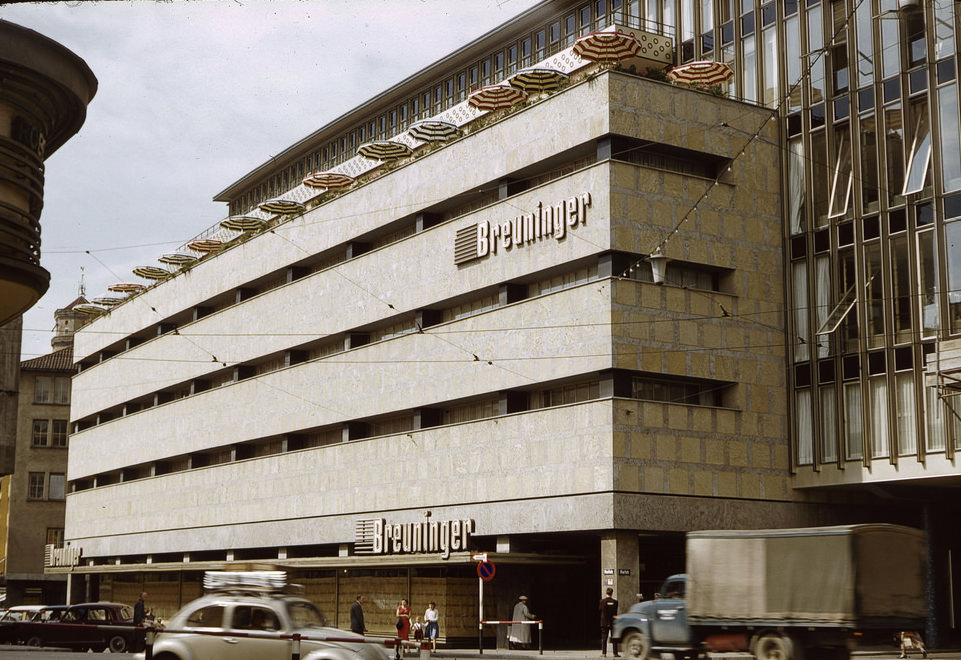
12 617
79 628
240 604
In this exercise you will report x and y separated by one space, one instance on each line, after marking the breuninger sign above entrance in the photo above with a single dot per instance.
544 221
376 536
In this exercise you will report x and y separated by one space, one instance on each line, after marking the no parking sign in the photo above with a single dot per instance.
485 570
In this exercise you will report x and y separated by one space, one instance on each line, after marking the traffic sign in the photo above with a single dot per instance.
485 571
480 557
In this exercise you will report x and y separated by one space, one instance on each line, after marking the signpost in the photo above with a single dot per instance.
485 572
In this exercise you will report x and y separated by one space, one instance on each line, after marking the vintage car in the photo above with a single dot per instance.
10 619
251 616
81 627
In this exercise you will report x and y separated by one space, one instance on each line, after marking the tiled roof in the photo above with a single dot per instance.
61 360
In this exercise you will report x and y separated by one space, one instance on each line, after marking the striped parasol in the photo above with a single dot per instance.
243 223
704 73
151 272
433 130
384 150
126 287
89 309
279 206
177 259
495 97
607 46
538 79
205 245
107 301
329 180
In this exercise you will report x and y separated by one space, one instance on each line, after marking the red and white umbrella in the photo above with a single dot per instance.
495 97
126 287
384 150
433 130
278 206
177 259
243 223
704 73
151 272
107 301
607 46
538 79
89 309
205 245
328 180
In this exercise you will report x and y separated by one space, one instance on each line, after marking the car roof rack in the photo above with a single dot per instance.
246 581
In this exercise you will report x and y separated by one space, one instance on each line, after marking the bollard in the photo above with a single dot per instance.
424 651
480 638
540 637
294 647
148 648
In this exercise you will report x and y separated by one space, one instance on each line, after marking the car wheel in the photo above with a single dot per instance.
776 647
117 644
635 645
34 641
166 656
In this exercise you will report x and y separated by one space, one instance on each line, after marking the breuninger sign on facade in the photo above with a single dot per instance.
542 222
378 537
545 221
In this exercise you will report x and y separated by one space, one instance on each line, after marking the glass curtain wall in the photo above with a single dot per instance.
872 176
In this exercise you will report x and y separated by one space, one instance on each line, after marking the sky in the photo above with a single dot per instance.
192 96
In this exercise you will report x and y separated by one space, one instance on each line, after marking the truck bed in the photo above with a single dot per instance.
846 576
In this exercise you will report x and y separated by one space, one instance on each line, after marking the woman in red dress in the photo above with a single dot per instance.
403 620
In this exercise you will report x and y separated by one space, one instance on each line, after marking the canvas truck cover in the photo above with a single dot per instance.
845 576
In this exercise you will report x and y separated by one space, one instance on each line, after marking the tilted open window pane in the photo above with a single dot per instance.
843 178
920 158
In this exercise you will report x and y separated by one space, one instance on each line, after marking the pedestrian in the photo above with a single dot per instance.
520 635
608 610
417 628
357 616
403 622
139 616
432 621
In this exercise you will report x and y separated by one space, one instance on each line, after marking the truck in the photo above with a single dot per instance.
785 594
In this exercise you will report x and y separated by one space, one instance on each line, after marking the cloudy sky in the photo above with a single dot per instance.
192 96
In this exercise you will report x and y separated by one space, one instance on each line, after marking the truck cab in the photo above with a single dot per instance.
656 625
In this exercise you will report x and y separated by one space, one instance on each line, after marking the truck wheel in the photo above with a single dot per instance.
117 644
635 645
776 647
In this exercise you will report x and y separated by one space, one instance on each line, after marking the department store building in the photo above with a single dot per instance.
561 329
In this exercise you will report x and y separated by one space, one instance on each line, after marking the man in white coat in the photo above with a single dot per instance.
520 634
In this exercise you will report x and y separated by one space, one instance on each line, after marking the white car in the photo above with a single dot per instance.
253 622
